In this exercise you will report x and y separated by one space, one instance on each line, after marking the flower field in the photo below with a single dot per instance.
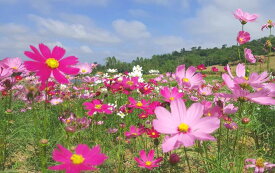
57 115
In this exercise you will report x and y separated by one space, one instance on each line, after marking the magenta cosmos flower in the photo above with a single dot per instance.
269 25
188 78
183 125
96 106
249 56
147 161
171 94
243 37
49 63
84 158
245 17
259 164
133 132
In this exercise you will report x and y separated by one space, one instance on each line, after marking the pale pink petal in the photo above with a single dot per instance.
178 110
169 143
180 71
240 70
186 139
206 125
194 113
190 71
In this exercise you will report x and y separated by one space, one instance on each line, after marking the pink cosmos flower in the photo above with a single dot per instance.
243 37
261 97
245 17
259 164
96 106
183 125
84 68
15 64
201 67
249 56
269 25
147 162
4 72
49 63
143 104
170 94
188 78
205 91
241 80
133 132
84 158
214 69
56 101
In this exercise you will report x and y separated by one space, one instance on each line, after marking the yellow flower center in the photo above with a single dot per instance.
185 80
203 93
83 70
246 78
139 104
68 121
260 162
269 22
130 83
134 134
172 98
183 127
241 39
209 114
52 63
98 106
77 159
153 133
148 163
14 68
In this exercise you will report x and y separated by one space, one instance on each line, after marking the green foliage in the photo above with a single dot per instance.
195 56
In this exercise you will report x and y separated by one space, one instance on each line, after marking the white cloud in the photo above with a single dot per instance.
214 23
13 28
74 31
131 29
86 49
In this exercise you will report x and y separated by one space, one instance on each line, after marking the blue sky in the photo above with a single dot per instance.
95 29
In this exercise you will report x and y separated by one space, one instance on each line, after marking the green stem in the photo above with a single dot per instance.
187 159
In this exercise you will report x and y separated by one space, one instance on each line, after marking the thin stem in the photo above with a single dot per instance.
187 159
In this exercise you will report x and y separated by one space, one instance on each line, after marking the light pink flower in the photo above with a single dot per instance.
147 161
259 164
249 56
241 80
206 91
261 97
269 25
15 64
183 126
243 37
170 94
56 101
245 17
133 132
188 78
84 68
84 158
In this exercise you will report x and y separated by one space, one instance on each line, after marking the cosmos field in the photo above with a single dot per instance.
60 115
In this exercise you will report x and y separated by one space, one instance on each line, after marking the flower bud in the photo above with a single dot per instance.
174 158
245 120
